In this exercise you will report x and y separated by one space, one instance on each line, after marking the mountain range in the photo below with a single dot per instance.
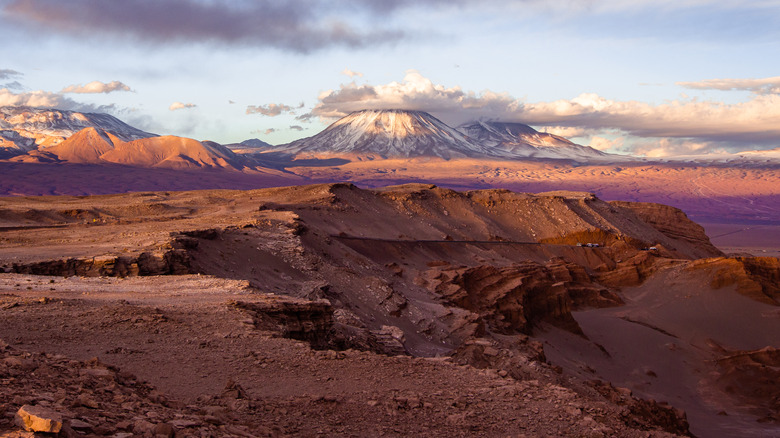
374 149
42 134
401 133
24 129
39 135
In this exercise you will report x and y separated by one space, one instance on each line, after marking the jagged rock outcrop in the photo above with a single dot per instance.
512 298
642 412
755 277
675 224
310 321
632 271
172 262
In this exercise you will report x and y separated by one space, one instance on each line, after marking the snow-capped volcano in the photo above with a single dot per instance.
516 140
23 129
389 133
401 133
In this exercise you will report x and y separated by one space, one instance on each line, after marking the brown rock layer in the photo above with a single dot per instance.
512 298
675 224
172 262
755 277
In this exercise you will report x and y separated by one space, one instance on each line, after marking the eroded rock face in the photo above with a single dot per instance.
172 262
512 298
642 412
304 320
755 277
632 271
675 224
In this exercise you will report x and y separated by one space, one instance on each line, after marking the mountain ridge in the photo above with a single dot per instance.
96 146
24 129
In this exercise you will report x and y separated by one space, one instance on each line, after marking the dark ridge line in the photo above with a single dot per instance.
651 327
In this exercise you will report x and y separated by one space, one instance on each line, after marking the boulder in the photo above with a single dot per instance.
39 419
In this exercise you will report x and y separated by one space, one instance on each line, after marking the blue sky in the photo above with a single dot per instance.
646 77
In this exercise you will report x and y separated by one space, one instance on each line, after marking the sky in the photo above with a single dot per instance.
653 78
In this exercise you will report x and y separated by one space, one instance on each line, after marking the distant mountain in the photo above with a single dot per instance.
24 129
736 159
256 143
516 140
387 133
96 146
400 133
251 146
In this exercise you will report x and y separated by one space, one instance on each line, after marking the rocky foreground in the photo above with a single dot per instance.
407 310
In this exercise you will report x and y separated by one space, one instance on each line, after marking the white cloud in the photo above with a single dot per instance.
415 92
568 131
756 120
36 98
179 105
604 144
666 147
351 73
734 126
760 86
96 87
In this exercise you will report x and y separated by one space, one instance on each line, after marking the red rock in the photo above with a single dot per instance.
39 419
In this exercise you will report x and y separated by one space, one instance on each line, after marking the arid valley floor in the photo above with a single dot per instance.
328 309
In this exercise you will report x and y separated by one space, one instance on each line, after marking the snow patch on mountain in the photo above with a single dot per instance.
23 129
516 140
389 133
401 133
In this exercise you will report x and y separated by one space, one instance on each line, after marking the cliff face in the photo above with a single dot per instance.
674 223
514 298
755 277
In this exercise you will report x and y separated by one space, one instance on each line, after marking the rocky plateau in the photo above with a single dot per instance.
411 309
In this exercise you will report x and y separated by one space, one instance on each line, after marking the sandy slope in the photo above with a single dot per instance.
665 342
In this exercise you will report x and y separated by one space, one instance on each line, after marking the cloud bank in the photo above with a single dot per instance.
36 98
759 86
96 87
297 25
687 125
